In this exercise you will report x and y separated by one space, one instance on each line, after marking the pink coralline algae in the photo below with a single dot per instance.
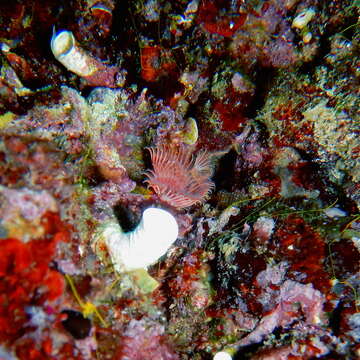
294 297
143 340
255 41
178 178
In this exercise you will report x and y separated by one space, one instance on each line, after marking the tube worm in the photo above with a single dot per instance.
68 52
141 247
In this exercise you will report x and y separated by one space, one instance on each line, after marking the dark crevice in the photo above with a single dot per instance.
335 318
76 324
94 177
247 352
263 81
126 218
308 68
224 176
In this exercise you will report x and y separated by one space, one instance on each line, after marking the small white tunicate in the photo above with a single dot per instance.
334 212
222 355
5 48
307 37
302 19
192 7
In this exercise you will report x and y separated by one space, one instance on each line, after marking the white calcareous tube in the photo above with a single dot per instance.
156 232
71 55
68 52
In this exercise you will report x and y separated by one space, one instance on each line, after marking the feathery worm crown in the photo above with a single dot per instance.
179 178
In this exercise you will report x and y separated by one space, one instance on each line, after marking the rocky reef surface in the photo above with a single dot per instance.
239 120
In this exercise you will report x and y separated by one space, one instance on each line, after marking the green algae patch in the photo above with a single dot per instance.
6 118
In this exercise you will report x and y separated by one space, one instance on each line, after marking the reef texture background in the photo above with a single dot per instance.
264 94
